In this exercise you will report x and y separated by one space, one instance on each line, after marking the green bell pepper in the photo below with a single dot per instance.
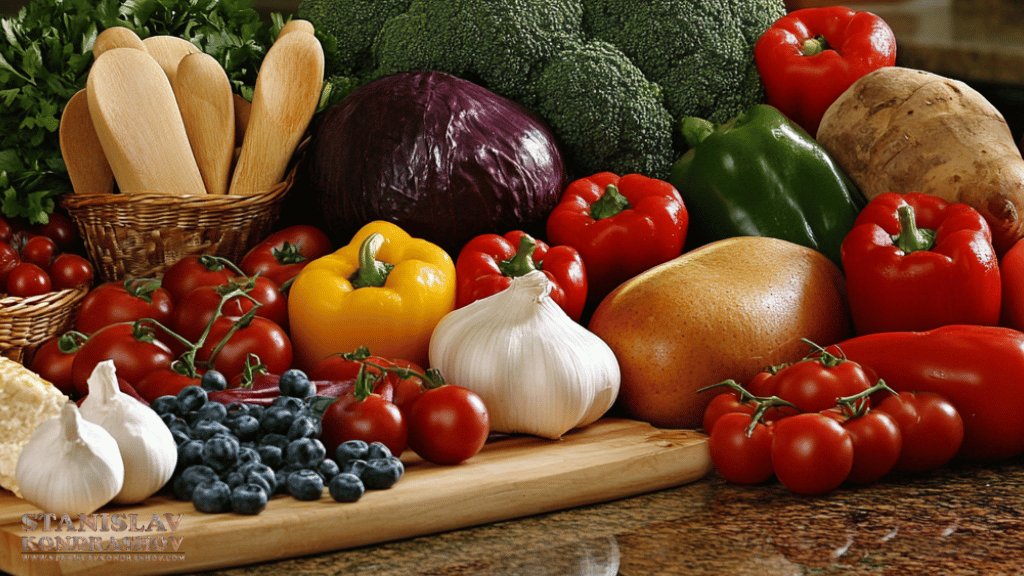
761 175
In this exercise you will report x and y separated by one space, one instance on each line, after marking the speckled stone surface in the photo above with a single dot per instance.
963 520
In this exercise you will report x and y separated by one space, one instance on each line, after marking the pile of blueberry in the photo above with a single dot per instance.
234 457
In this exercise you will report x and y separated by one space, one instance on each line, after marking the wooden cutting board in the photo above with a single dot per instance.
512 477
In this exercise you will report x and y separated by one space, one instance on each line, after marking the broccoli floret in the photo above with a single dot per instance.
352 25
607 116
700 53
496 44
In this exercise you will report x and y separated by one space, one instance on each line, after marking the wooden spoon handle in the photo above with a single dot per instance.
117 37
204 97
80 147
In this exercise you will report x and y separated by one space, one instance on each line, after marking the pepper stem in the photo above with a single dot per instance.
522 262
609 204
695 130
911 238
371 272
814 46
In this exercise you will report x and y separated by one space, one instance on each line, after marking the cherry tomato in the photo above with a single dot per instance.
372 419
54 365
406 389
70 270
194 311
6 230
725 403
739 457
811 453
135 352
9 258
877 443
284 253
163 382
814 384
61 230
123 301
448 424
27 279
39 250
192 271
261 337
931 428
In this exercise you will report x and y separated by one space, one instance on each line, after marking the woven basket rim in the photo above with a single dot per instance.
76 201
48 298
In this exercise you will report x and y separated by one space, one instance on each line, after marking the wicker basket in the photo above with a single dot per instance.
26 323
140 235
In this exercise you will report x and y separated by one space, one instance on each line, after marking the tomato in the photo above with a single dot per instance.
814 384
811 453
406 389
39 250
877 443
135 352
372 419
69 271
284 253
261 337
61 230
194 311
1011 273
123 301
723 404
9 258
447 425
931 428
54 365
27 279
739 457
6 230
192 271
163 382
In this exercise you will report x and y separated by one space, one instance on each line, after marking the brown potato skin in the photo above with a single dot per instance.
725 310
905 130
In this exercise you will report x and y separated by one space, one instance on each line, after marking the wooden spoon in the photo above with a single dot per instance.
168 51
242 109
296 25
117 37
286 95
80 146
207 108
137 120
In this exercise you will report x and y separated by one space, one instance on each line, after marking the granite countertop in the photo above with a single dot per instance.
967 519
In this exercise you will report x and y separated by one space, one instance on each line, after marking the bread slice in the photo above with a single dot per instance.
26 400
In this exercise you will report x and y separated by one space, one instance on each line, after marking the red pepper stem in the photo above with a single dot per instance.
522 262
911 238
609 204
372 273
814 46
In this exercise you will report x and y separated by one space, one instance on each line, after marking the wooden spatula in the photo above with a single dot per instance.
137 120
168 51
80 146
285 97
207 107
117 37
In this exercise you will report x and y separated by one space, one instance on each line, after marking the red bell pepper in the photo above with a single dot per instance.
487 264
809 57
620 226
915 262
977 368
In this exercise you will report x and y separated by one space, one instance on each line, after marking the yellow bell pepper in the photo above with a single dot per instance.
385 290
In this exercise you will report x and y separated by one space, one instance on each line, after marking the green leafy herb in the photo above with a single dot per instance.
45 56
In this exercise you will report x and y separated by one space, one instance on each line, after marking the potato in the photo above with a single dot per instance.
726 310
904 130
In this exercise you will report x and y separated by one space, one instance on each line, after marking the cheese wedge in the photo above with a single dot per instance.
26 400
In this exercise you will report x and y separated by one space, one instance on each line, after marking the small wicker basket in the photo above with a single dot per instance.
140 235
26 323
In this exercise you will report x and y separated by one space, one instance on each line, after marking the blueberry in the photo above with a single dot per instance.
212 497
166 405
191 477
350 450
354 467
277 419
382 473
180 436
295 384
190 452
303 427
256 411
272 439
346 487
271 456
191 398
212 411
281 479
248 455
248 499
206 429
236 409
377 450
293 405
328 469
305 485
234 478
212 381
179 424
263 475
220 452
245 427
305 453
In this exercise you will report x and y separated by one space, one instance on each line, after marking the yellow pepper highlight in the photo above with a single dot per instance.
385 290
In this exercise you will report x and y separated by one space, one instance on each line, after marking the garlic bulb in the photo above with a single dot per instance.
147 446
70 466
538 371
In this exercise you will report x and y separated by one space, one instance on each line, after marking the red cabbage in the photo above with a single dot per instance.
441 157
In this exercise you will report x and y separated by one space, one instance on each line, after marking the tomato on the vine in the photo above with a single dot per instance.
931 429
811 453
815 383
254 336
283 254
123 301
741 449
194 311
192 271
69 270
27 279
368 417
164 382
133 347
725 403
54 365
448 424
877 443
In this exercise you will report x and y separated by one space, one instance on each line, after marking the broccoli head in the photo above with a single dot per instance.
352 25
606 114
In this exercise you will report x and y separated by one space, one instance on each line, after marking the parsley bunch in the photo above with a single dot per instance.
45 56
